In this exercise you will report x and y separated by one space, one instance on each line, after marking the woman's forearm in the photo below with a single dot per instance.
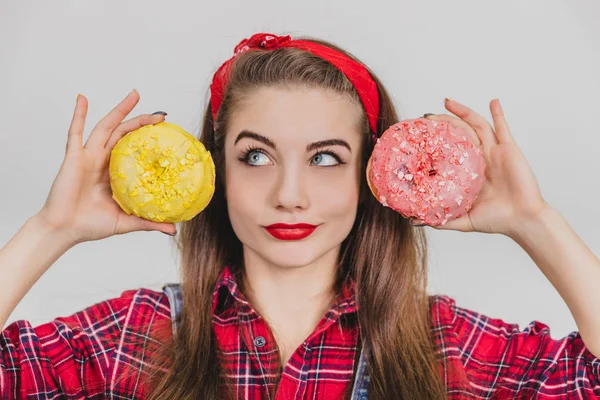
570 266
24 259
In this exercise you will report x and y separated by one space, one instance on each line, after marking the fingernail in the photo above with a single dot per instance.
427 115
134 90
159 112
447 99
170 234
412 222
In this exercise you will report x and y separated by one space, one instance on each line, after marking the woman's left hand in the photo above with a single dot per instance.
510 195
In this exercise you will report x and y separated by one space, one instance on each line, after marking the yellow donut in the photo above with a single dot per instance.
161 173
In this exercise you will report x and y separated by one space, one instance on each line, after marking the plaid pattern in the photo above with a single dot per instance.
320 368
85 355
503 362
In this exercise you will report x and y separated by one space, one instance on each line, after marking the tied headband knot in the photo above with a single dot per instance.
262 41
356 72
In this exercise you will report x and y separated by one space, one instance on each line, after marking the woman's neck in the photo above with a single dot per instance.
291 299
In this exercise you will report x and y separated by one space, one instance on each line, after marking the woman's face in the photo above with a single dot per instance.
292 156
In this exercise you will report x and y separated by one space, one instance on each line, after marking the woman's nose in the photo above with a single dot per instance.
290 190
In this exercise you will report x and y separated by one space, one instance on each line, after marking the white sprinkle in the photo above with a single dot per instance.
474 175
459 200
408 177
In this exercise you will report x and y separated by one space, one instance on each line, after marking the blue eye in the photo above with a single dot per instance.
257 158
324 159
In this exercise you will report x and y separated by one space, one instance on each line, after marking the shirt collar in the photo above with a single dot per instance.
346 298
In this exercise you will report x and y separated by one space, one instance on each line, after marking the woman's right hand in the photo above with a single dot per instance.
80 202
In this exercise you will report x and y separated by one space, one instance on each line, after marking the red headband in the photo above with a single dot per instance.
354 71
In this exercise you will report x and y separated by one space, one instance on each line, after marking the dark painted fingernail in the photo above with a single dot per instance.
170 234
427 115
414 224
159 112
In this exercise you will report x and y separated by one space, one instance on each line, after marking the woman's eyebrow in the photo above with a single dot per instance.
328 142
255 136
315 145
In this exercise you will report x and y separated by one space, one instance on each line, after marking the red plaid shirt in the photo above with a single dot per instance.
320 368
85 355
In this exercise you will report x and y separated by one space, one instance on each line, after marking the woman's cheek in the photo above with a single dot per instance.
249 182
246 190
337 187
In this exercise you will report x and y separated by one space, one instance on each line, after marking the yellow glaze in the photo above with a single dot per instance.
161 173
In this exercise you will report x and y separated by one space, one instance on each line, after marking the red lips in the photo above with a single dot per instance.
290 231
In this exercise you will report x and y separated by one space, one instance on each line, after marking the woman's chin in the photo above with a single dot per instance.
291 259
293 254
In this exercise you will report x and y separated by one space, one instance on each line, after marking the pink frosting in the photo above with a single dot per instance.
427 169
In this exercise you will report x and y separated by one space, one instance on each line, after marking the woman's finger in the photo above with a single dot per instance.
461 224
481 126
500 125
458 123
75 135
106 125
417 222
131 125
131 223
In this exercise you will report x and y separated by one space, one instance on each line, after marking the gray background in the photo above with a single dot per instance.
540 57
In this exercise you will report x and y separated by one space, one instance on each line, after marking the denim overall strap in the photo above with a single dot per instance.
361 380
173 292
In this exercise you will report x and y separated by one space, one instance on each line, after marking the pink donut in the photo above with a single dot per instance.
427 170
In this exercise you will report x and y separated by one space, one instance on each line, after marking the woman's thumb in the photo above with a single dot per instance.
132 223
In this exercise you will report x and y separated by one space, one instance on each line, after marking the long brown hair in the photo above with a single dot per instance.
385 255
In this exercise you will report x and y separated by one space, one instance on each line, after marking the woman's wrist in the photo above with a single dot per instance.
25 258
534 225
58 236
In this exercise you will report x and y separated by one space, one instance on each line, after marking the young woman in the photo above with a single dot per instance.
334 308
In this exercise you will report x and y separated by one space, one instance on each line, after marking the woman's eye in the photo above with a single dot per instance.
324 159
257 158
